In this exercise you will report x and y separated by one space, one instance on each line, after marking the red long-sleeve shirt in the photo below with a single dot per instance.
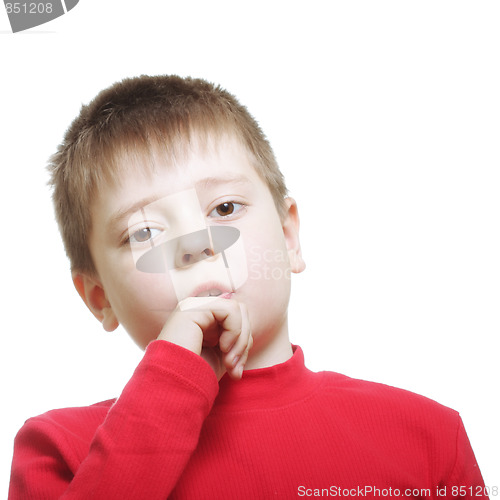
282 432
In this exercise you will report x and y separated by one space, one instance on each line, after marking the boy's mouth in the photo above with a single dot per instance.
212 290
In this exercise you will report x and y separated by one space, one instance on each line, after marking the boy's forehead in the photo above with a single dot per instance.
225 161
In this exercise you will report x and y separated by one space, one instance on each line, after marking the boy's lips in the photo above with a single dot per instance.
212 290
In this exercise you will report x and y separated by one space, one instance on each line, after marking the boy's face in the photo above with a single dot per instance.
151 246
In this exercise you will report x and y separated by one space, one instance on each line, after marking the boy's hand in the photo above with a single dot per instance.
218 329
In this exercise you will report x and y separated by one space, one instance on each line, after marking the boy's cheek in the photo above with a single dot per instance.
144 311
141 294
268 264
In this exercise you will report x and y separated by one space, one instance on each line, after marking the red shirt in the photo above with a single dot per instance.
282 432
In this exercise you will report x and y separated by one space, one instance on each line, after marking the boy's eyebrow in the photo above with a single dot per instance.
122 214
208 182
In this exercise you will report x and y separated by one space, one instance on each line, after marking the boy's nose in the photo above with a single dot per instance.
191 248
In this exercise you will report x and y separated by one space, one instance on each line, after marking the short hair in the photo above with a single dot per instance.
138 116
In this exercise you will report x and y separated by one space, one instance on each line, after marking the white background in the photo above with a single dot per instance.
385 117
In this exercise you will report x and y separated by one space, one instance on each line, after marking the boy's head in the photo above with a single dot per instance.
148 166
138 117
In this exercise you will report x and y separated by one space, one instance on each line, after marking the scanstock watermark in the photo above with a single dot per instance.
26 15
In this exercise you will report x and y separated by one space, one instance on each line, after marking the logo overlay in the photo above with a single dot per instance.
25 15
170 236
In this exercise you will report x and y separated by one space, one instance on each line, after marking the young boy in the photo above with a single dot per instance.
169 200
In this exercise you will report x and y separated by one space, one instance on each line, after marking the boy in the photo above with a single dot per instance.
167 194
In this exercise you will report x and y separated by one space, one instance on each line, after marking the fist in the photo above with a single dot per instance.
218 329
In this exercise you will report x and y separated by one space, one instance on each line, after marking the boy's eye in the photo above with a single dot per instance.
142 235
225 209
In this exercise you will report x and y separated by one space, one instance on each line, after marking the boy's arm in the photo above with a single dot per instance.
140 449
149 434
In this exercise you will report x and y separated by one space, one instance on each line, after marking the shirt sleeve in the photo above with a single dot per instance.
141 448
465 480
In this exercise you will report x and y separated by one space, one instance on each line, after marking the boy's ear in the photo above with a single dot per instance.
291 225
92 293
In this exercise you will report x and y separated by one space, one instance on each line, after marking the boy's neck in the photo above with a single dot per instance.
273 353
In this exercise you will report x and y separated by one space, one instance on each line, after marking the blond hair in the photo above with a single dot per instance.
135 117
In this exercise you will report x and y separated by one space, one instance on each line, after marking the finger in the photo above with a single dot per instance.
244 357
236 371
240 343
237 357
196 303
231 322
